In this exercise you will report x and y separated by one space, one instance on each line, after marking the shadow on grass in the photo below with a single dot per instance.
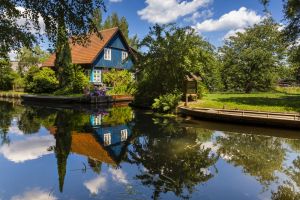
291 102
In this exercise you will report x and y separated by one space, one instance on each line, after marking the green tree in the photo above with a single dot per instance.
77 15
28 79
28 58
171 54
291 10
97 19
44 81
7 75
251 59
114 21
121 81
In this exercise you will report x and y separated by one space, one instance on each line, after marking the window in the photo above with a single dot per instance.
107 54
107 139
124 135
97 76
124 55
97 120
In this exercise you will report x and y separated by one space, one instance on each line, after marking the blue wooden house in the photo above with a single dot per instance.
101 54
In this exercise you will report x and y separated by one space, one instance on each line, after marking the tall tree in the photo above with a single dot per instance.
97 19
251 59
28 58
291 9
172 53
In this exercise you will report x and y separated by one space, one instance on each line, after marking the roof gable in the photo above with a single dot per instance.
87 54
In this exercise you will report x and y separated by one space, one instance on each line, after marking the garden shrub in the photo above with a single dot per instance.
121 81
44 81
28 79
7 75
166 103
80 80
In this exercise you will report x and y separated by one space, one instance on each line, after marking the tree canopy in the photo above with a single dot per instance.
251 59
77 17
170 54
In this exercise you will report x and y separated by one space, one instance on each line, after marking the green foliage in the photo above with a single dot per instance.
251 60
44 81
28 80
15 35
80 80
171 54
30 57
115 21
166 103
7 75
121 81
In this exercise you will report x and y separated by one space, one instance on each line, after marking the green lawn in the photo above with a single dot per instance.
272 102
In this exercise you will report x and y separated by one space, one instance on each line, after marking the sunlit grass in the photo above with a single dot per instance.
271 102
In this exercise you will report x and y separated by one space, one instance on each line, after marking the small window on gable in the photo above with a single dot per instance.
107 54
124 55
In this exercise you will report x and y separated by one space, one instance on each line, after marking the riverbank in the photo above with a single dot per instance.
264 102
74 98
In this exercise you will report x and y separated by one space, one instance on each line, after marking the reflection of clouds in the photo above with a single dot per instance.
214 148
118 175
36 194
28 149
15 130
95 184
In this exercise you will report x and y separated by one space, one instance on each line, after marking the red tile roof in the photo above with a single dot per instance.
86 54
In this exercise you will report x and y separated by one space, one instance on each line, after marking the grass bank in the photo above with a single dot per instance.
271 102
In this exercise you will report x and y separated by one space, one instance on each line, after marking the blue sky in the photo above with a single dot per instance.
213 19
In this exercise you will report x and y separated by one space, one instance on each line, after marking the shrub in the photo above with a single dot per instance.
7 75
80 80
121 81
166 103
28 79
44 81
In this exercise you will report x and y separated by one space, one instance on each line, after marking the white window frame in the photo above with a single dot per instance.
124 135
124 55
107 139
97 76
97 120
107 54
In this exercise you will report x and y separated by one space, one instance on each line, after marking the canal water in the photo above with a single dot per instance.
49 152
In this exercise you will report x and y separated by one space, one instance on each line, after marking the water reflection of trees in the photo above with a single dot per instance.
6 115
259 156
172 159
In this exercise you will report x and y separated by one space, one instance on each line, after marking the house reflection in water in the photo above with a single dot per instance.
102 138
105 144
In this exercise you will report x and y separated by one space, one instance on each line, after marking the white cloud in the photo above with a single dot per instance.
205 14
234 20
118 175
28 149
96 184
166 11
115 1
36 194
233 33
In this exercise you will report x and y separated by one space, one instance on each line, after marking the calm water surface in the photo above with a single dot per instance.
119 153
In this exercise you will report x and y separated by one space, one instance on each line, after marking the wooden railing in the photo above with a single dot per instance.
271 115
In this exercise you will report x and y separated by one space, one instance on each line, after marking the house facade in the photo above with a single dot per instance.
101 54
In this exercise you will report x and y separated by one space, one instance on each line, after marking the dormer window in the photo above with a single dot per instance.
124 55
107 54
